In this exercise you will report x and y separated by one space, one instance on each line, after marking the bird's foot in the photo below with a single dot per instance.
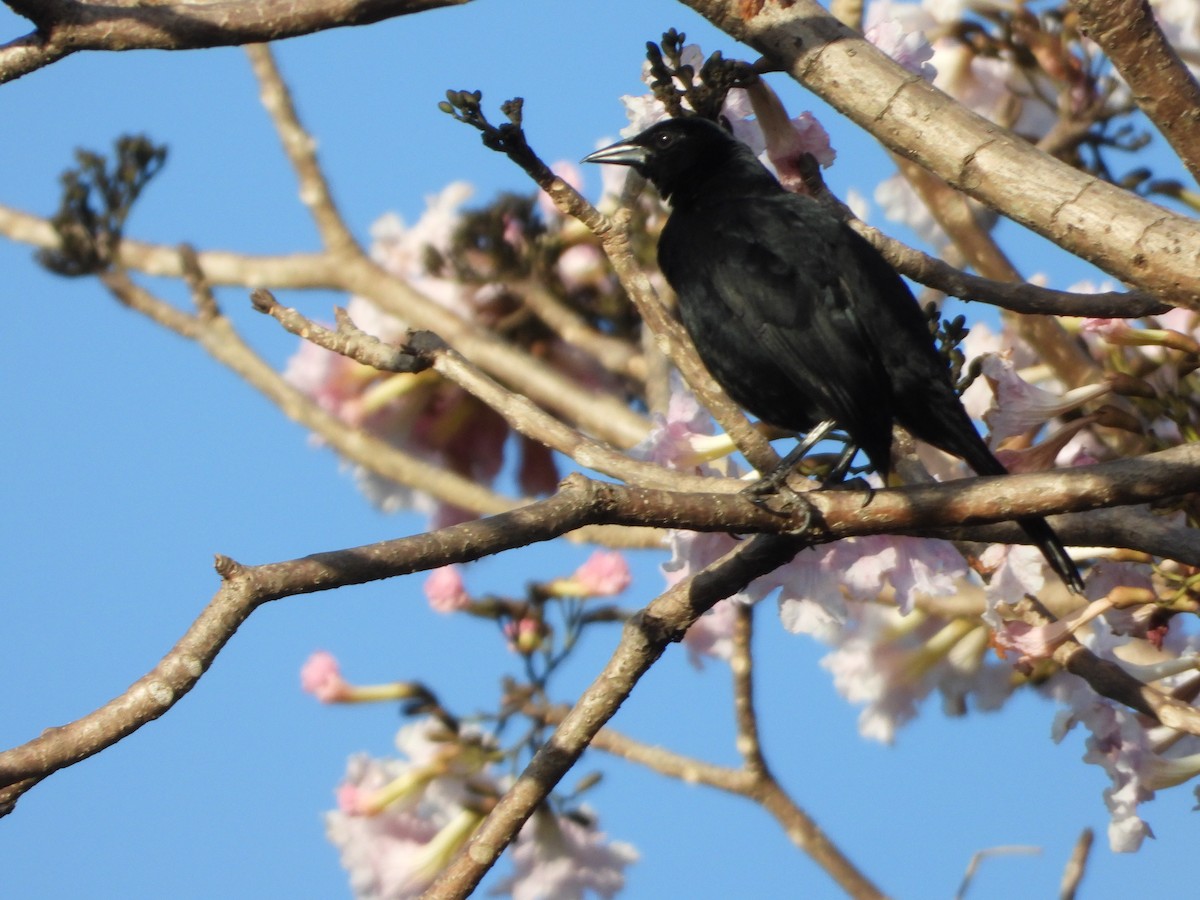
776 496
769 484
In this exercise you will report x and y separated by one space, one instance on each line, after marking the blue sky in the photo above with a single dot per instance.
130 458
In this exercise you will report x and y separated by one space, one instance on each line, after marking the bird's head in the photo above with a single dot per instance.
674 154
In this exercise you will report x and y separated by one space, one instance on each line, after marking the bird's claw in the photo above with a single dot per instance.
775 496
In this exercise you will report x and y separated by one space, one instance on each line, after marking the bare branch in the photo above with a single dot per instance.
1159 81
797 824
217 336
820 517
301 152
521 415
1018 297
245 588
603 416
67 26
954 214
616 355
741 664
1076 866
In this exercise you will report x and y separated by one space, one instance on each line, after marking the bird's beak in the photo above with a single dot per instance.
622 153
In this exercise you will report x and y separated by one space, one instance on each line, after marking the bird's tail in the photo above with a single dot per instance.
1052 548
958 436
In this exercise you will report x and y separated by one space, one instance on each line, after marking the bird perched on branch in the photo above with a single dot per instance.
798 317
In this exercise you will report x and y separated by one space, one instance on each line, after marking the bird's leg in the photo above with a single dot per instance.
838 472
776 478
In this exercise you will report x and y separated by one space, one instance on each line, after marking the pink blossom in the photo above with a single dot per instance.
1014 571
321 677
1106 328
907 47
352 799
525 635
558 857
1020 407
914 567
1120 332
868 670
1039 641
1044 454
980 340
604 574
788 141
445 590
816 583
1122 746
890 663
691 551
682 438
381 853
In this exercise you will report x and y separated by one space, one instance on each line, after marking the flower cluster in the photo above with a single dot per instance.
470 262
399 821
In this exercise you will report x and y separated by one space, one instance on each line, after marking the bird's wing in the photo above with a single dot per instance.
771 272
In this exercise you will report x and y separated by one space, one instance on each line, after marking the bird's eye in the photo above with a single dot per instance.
663 139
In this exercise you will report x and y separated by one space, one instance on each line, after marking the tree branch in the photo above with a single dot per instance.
1018 297
521 415
1131 238
643 640
800 828
600 415
300 148
218 337
1161 84
67 26
819 517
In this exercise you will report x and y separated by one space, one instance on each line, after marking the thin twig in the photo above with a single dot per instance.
759 787
601 415
643 640
613 353
741 665
217 336
1076 866
521 415
981 855
300 148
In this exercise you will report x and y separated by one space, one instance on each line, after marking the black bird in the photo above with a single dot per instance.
798 317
